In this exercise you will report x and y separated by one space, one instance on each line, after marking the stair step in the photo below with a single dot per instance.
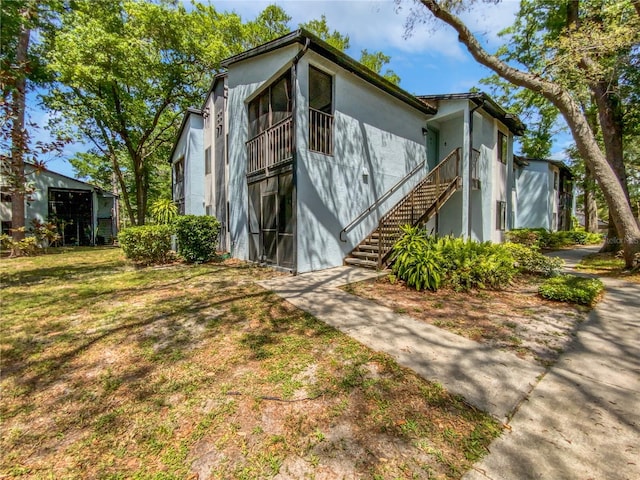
369 247
361 263
366 255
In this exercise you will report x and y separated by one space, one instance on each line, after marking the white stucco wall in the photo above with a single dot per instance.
378 140
244 80
190 146
208 128
532 193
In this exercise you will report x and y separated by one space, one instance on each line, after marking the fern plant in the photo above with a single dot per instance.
417 259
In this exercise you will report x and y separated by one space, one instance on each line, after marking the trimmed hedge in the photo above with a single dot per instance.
147 244
197 237
571 288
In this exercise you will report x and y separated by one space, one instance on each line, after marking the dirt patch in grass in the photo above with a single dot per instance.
111 371
515 319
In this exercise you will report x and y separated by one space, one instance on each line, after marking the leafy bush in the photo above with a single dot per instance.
425 261
164 211
417 260
197 237
571 288
471 264
541 238
524 236
530 260
26 247
147 244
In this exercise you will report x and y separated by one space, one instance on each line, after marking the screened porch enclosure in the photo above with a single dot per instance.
270 127
272 221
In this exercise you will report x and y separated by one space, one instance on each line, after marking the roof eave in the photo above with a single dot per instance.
338 57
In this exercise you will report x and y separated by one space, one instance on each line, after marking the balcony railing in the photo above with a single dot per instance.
320 132
271 147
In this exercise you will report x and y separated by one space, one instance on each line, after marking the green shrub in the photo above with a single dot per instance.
530 260
541 238
524 236
427 262
164 211
417 260
27 247
147 244
470 264
197 237
571 288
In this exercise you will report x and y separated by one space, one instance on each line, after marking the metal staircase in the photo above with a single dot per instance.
418 206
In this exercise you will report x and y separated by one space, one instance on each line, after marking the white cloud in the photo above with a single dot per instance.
372 24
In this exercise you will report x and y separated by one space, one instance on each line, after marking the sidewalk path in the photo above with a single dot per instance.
493 381
582 421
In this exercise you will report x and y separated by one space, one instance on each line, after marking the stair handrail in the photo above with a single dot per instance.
429 179
380 199
435 173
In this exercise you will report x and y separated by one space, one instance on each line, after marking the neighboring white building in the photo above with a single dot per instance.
84 213
542 194
310 159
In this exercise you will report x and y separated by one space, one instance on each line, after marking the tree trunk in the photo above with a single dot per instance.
610 118
18 132
124 196
570 110
590 206
140 191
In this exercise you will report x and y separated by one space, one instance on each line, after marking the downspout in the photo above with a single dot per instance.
294 173
470 166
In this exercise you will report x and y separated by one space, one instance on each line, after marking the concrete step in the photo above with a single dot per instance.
361 263
365 255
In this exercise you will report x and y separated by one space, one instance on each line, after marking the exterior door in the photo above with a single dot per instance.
432 148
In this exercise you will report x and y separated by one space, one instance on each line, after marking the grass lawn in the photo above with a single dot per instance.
608 265
111 371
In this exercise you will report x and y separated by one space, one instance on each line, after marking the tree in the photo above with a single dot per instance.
126 70
374 61
20 68
577 59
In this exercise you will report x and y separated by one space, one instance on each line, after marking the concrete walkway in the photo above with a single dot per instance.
493 381
582 421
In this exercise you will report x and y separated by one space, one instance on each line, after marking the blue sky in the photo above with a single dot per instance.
430 61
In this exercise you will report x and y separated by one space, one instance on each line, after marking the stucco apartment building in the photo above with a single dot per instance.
310 160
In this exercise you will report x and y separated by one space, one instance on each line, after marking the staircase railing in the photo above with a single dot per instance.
381 199
424 197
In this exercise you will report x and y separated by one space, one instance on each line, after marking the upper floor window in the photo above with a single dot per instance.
270 107
178 171
501 215
207 161
320 111
556 181
502 148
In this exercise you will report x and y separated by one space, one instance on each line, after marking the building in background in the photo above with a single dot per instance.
85 214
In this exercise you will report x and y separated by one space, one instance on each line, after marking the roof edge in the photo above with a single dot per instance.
511 120
338 57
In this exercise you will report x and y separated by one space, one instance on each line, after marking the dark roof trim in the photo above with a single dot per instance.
37 169
488 104
189 111
524 161
336 56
